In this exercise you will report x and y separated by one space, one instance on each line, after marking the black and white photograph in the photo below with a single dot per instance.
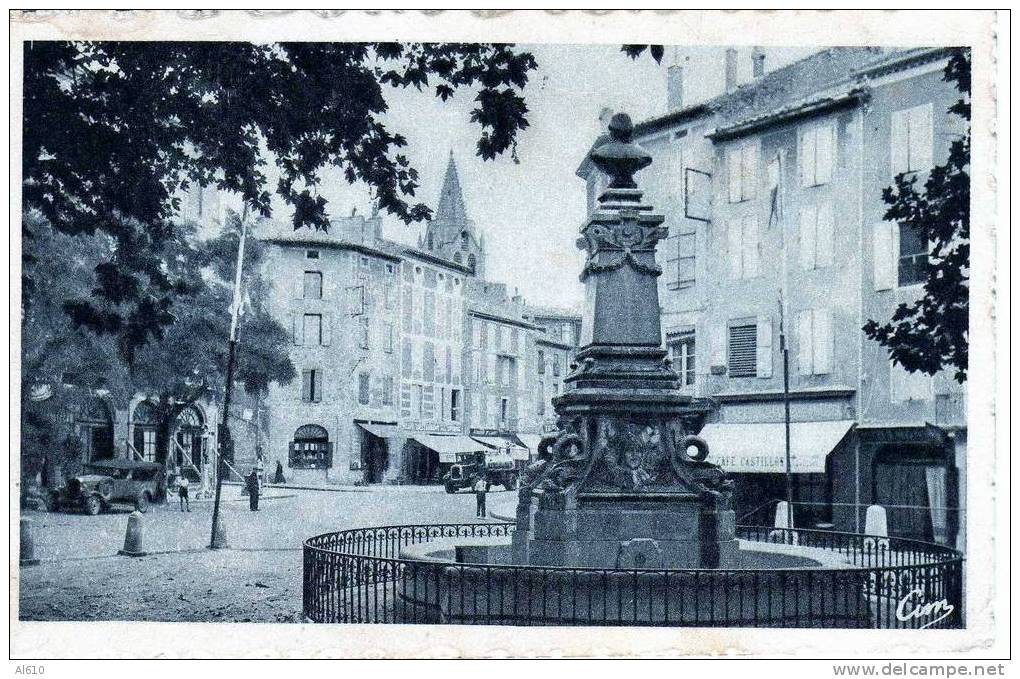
344 325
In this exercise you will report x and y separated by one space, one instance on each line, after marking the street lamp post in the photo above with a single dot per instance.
219 532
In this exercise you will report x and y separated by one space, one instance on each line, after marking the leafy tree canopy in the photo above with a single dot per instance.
931 334
114 132
120 127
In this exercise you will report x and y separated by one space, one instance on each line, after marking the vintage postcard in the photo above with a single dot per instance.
419 334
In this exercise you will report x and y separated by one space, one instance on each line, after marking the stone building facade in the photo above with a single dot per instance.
773 199
408 360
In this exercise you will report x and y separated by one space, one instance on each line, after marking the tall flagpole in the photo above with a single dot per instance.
783 344
219 532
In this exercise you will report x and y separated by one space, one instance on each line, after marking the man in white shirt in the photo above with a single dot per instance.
182 491
480 488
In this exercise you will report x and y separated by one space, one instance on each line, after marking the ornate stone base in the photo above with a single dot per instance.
625 531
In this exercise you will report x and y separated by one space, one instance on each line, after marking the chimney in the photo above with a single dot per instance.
757 62
674 87
731 69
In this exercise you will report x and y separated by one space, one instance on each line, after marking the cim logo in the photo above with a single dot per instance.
914 607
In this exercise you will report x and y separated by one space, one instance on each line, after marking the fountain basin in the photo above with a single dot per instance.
468 579
460 573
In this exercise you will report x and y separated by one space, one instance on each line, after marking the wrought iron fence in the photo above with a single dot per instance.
359 576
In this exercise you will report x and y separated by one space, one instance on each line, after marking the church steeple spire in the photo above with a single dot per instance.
451 211
451 234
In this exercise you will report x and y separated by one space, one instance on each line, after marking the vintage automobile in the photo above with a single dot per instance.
495 466
104 483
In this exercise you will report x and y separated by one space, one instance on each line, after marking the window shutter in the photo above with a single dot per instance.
733 171
808 220
717 344
824 234
921 138
884 255
898 140
743 351
764 357
749 171
807 157
824 153
326 329
733 246
804 343
821 331
751 255
306 385
298 330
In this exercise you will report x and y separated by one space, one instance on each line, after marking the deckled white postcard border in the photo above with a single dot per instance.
976 29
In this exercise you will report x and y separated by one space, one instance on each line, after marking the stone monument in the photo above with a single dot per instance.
617 487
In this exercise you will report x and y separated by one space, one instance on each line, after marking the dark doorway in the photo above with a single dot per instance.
755 497
188 438
96 427
375 456
916 485
143 438
424 464
101 443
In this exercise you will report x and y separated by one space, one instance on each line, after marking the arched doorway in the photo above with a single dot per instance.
143 424
95 426
189 439
311 448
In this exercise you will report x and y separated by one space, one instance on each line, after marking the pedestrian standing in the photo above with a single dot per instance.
480 488
182 492
253 484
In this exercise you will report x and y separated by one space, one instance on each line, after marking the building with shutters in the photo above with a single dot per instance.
339 292
773 200
550 353
408 361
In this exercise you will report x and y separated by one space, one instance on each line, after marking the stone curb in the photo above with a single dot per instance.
208 500
361 489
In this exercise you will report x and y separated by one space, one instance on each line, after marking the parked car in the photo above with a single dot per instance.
496 467
104 483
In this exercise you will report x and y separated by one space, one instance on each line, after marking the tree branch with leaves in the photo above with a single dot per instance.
931 334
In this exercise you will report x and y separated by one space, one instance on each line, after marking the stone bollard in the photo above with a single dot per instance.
133 536
27 544
219 540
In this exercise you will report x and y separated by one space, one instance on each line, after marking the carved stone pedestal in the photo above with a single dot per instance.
618 488
631 531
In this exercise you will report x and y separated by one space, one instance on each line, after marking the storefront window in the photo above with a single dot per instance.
311 448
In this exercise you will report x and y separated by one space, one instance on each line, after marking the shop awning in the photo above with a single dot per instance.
759 447
507 443
531 441
383 431
450 446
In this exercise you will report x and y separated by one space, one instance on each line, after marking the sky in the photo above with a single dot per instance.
531 211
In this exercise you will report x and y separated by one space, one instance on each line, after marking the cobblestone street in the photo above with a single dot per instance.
258 579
